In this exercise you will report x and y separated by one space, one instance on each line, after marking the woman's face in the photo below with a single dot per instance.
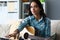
34 8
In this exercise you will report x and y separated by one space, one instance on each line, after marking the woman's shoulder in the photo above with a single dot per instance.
48 19
29 17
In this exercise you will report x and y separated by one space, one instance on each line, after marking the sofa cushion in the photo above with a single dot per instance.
4 29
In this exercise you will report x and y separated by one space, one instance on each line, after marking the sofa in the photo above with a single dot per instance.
13 24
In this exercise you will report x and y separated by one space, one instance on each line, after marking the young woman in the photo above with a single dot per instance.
36 19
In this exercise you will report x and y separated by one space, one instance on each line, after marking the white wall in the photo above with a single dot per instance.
5 16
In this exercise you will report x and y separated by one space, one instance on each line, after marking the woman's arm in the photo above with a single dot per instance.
48 28
20 27
23 24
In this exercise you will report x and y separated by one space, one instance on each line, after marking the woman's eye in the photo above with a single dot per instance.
33 6
36 6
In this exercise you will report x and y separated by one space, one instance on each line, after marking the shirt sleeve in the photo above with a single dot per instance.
23 24
48 28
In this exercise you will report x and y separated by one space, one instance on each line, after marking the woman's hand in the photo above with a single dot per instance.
13 34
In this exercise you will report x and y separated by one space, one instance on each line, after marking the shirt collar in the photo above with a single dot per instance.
39 19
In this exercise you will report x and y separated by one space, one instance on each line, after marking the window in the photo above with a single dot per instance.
25 9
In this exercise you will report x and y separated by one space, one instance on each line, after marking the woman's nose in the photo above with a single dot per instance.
33 8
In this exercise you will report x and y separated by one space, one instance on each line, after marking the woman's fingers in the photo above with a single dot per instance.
10 35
